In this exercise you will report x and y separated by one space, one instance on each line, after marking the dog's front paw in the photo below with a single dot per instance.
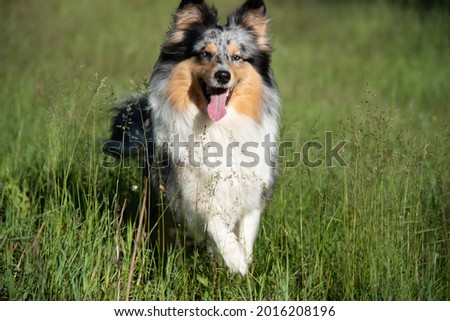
237 262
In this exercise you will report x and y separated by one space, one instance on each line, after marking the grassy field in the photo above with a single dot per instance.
376 229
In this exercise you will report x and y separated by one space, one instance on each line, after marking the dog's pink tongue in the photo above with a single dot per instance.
217 107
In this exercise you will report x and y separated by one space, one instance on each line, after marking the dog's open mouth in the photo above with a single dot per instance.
218 99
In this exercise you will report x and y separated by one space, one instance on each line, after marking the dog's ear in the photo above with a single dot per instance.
252 15
190 13
255 5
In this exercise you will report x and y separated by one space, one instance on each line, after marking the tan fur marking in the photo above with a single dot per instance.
175 37
187 17
233 50
184 88
183 20
211 48
247 95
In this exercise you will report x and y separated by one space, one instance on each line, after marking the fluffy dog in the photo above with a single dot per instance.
208 128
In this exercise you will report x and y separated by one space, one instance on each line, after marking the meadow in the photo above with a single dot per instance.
375 75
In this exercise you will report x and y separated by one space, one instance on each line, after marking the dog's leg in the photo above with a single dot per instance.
228 245
248 231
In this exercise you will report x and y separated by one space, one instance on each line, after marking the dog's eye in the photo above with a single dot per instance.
205 55
236 58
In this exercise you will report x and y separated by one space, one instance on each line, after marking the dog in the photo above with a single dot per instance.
208 127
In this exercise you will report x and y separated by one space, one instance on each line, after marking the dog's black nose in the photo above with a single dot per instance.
223 77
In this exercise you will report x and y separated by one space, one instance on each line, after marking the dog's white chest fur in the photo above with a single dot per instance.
222 172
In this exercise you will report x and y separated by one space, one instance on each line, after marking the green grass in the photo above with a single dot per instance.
373 74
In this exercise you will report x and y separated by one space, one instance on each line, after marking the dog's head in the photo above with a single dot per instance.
218 66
